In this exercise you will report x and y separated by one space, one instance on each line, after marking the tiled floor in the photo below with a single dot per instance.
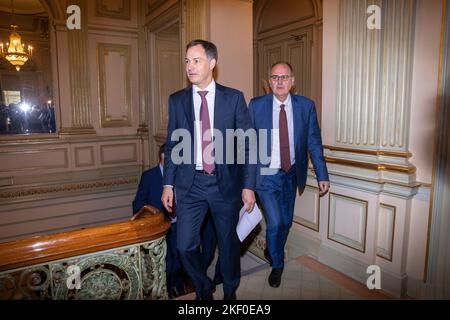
303 278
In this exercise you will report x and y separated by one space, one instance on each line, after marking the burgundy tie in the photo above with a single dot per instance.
285 155
173 214
207 157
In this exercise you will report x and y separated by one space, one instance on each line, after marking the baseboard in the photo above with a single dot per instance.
300 244
392 284
417 289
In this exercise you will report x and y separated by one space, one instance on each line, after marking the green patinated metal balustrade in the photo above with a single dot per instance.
131 272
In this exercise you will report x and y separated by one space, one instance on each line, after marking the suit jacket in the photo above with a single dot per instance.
150 190
307 138
230 112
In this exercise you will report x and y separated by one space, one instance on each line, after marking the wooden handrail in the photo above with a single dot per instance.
147 225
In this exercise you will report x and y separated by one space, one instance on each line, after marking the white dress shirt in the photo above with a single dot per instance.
210 97
275 162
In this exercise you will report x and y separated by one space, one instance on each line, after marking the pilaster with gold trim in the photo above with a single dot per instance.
143 71
374 90
196 23
79 76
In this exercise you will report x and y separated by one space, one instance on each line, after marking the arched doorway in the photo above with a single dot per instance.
289 30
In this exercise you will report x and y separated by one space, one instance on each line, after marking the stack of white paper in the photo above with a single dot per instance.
247 221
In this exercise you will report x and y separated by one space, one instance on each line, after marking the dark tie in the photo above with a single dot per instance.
173 214
285 156
207 157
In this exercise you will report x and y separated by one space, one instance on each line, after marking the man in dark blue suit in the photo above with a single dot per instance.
206 175
150 186
290 122
149 193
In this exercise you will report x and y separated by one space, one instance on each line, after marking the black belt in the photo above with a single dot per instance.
206 173
290 169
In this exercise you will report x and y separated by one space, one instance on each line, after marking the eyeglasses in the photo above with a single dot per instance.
275 77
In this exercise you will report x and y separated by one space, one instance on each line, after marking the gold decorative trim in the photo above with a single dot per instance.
76 131
102 10
297 220
132 159
80 186
142 130
394 208
371 152
365 226
103 49
77 158
372 166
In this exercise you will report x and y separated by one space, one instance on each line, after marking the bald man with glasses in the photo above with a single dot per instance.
293 134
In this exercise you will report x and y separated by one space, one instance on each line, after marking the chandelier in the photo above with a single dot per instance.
15 51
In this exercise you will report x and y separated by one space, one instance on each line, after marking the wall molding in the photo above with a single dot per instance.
380 186
103 50
29 153
355 244
373 166
374 152
387 253
31 193
79 162
124 12
132 156
315 226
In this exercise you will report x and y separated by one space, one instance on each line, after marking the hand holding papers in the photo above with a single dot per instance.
247 221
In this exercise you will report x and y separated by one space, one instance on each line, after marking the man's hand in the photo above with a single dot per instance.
324 186
167 198
248 197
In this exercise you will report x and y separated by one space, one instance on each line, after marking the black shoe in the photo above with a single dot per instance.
230 296
275 277
178 292
210 297
267 256
217 279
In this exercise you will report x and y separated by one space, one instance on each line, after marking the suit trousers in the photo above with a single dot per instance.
191 211
277 194
209 244
174 269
